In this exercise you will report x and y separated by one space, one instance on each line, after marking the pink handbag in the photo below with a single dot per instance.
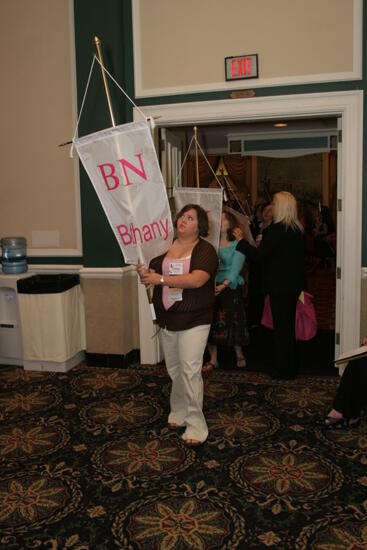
306 323
267 318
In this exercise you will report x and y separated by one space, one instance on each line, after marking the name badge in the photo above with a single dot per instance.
175 294
175 268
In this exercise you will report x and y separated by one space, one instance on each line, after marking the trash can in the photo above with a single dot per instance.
52 318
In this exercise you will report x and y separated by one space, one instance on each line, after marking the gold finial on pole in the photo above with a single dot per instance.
196 156
97 43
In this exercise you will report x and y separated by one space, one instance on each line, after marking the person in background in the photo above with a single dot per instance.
324 236
281 255
266 220
306 217
257 218
229 325
256 294
351 396
183 279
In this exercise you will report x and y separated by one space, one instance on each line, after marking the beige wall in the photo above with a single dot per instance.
182 45
39 194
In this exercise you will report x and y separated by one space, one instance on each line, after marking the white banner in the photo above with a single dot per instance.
122 165
209 199
243 223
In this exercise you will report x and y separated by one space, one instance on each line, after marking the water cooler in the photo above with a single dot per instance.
11 352
14 255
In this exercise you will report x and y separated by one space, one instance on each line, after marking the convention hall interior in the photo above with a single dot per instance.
238 100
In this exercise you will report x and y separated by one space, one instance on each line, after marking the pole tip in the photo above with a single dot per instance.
97 40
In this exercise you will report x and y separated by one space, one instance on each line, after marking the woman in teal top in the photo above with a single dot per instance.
230 266
229 324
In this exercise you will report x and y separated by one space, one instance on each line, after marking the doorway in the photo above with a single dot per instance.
253 161
348 107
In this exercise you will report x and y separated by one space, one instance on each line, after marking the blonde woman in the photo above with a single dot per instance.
281 255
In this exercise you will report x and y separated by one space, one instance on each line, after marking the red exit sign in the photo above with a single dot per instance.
241 66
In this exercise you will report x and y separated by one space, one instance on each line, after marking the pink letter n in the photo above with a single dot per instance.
126 164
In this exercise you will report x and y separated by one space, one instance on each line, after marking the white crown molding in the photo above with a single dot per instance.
253 84
108 272
54 252
84 272
250 109
54 268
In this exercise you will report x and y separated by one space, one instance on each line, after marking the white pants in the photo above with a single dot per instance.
183 352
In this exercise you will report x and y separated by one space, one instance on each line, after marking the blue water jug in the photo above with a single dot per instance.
14 258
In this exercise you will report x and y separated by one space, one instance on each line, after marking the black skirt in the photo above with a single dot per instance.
229 327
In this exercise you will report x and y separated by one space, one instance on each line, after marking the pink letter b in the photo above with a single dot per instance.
110 175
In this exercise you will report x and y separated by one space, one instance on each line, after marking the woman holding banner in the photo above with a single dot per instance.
183 298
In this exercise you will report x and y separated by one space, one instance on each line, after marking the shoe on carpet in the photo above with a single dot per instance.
208 366
331 423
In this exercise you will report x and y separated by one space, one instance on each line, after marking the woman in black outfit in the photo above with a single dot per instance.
351 396
282 257
256 294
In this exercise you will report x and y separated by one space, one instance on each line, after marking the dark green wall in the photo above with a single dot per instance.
107 20
112 22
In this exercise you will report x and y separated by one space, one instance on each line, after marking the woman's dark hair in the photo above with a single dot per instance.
232 220
265 205
203 221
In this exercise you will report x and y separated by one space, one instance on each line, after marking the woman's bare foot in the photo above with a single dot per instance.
335 420
193 442
335 414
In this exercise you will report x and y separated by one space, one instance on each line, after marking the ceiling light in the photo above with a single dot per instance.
280 124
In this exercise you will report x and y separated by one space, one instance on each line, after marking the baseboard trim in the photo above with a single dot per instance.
112 361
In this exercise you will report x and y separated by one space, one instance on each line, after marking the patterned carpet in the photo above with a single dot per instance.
87 462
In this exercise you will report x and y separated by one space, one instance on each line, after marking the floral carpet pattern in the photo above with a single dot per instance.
87 461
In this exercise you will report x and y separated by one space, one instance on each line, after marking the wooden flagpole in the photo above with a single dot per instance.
97 43
196 156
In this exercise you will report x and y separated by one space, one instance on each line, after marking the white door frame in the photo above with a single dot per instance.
349 106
